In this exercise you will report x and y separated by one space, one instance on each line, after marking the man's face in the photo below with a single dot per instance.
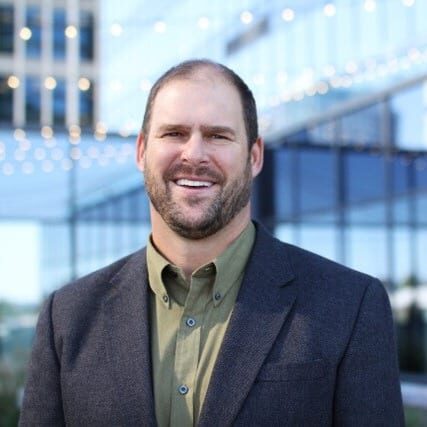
196 162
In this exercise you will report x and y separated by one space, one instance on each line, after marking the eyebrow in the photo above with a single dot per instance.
218 129
205 129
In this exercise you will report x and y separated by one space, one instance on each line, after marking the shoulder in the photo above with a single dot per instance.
312 270
92 289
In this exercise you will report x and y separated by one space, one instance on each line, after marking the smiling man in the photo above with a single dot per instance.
215 322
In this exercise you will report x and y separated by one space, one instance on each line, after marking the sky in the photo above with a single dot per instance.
19 262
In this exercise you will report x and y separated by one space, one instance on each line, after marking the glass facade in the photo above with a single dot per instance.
6 98
6 28
86 35
86 106
59 24
33 22
32 100
59 106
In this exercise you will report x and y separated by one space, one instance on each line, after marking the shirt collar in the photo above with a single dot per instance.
226 272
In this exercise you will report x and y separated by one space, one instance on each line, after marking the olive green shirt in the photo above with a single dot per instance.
188 323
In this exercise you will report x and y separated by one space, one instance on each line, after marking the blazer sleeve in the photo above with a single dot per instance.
368 391
42 403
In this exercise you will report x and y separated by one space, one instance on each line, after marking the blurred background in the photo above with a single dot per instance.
341 88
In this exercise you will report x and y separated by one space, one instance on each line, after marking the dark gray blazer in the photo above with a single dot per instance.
310 343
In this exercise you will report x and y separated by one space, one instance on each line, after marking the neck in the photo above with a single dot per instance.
190 254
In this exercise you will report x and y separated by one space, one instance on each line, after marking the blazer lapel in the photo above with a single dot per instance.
127 325
260 310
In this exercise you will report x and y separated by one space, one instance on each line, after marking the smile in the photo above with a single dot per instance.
193 183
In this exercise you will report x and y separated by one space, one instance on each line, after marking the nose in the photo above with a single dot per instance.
194 150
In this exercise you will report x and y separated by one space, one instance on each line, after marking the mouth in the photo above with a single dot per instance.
193 183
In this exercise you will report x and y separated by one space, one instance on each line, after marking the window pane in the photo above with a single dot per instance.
283 186
6 29
32 100
319 239
34 24
362 127
364 177
86 106
59 33
366 249
86 35
409 119
317 180
6 97
59 103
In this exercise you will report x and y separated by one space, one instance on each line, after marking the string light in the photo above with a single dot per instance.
288 15
27 168
85 162
46 132
408 3
351 67
414 55
8 169
116 85
370 5
83 84
19 134
39 153
24 145
50 83
329 9
13 82
246 17
19 155
25 33
71 32
329 71
203 23
116 30
281 77
160 26
145 85
47 166
258 79
66 164
57 154
75 153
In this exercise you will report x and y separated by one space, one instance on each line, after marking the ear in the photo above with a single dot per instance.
257 156
140 151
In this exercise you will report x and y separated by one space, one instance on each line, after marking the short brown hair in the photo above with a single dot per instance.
187 69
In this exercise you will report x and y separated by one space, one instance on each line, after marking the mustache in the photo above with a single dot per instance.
196 171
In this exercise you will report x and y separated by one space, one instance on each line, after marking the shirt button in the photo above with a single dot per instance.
217 296
183 389
165 298
190 322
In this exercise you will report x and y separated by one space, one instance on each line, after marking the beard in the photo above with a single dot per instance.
224 206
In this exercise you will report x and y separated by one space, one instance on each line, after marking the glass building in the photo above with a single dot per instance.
341 88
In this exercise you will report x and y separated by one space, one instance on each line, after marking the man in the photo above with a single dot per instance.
216 323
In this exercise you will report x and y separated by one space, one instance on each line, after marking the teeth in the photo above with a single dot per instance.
190 183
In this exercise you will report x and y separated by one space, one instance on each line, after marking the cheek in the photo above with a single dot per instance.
160 157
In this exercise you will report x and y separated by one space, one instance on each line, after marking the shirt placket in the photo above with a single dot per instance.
187 352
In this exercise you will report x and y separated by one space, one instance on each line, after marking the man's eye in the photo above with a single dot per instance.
172 134
218 136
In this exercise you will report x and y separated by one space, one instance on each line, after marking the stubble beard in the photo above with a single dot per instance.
227 203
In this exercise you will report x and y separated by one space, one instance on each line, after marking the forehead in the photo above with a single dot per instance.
201 97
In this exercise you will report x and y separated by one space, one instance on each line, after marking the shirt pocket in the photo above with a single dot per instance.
274 372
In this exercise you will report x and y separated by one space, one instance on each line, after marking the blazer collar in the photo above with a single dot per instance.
126 315
265 299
